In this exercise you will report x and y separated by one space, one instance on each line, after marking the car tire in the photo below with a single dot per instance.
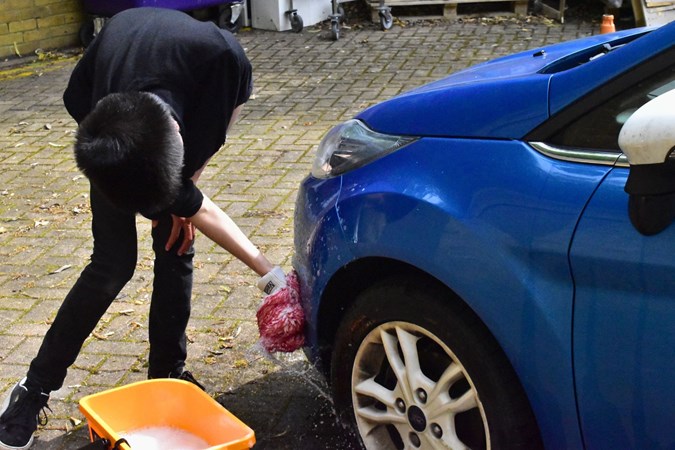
448 362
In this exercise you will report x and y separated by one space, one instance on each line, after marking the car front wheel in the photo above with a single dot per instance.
414 368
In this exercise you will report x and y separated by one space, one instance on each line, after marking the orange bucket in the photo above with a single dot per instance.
164 403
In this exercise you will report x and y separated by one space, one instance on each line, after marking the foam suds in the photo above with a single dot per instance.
164 438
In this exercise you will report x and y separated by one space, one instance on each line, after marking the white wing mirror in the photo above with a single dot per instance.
648 136
648 140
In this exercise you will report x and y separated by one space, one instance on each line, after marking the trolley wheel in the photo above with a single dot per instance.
335 30
296 23
86 33
225 20
386 19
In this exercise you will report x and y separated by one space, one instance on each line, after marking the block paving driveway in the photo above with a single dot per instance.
304 84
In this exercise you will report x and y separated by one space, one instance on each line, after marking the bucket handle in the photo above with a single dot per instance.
103 444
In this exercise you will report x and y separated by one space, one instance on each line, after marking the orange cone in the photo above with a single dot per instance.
607 25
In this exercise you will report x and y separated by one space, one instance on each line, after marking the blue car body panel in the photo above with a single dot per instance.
316 257
467 110
501 99
492 224
623 329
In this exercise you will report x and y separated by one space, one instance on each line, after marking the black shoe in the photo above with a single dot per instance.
187 376
20 416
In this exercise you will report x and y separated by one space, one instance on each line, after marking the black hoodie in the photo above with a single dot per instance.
198 69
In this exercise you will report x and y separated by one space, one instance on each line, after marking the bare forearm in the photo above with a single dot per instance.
221 229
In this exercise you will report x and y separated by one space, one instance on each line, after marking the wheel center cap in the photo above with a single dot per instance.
417 418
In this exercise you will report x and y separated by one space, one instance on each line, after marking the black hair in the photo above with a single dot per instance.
129 148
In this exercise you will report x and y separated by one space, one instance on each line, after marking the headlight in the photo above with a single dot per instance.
351 145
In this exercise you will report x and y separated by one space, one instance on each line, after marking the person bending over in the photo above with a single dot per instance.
153 97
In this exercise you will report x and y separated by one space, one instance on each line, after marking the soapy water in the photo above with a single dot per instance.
287 362
295 364
164 438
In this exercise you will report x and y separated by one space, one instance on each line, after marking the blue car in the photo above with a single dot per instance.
488 261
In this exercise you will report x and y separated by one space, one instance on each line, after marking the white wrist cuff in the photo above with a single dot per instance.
272 281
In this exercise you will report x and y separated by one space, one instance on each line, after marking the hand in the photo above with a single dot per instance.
179 224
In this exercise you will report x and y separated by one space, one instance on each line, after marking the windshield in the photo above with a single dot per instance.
599 128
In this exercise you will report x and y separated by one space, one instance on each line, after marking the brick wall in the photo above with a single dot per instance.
27 25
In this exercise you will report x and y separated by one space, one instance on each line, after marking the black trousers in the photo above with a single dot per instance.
112 265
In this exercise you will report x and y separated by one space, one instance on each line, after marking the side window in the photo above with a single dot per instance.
599 128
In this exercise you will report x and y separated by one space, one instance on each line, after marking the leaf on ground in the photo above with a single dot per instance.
61 269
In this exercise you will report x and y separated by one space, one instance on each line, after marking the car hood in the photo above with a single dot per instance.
503 99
